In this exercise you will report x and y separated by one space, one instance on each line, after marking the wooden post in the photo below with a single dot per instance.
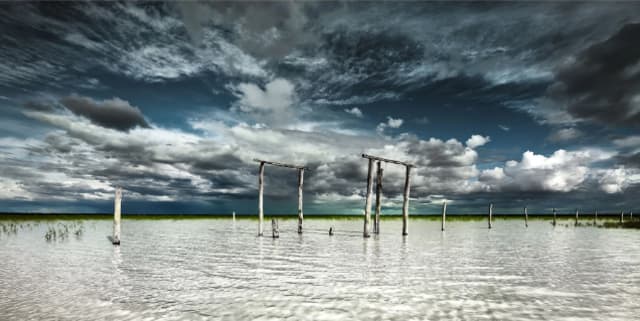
576 217
405 204
595 218
631 216
367 204
526 217
261 192
300 182
331 231
260 198
234 216
554 217
490 214
376 221
275 232
116 216
444 213
621 216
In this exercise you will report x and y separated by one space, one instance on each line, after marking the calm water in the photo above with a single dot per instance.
214 269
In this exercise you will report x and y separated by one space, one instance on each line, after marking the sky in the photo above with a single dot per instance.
515 104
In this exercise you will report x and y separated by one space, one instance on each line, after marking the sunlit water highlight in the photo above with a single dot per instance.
215 269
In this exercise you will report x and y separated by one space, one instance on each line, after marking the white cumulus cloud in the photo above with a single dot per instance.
391 123
277 95
562 171
477 141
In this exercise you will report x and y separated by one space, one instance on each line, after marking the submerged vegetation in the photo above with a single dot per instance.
61 231
55 232
12 228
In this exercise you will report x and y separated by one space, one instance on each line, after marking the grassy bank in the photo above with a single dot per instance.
627 224
450 217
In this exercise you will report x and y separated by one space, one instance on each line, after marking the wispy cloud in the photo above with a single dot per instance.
355 111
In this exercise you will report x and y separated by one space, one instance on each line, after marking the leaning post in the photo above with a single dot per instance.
300 182
260 198
116 216
367 204
405 204
444 213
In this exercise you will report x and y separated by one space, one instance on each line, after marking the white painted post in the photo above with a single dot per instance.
300 182
621 216
576 217
526 217
116 216
260 198
405 204
234 216
490 214
376 221
554 217
367 204
444 213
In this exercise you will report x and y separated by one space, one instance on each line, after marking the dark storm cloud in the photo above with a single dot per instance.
251 25
376 56
330 54
111 113
603 83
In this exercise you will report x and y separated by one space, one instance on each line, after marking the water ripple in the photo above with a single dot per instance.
215 269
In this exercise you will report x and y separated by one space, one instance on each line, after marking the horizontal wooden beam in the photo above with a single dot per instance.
280 164
386 160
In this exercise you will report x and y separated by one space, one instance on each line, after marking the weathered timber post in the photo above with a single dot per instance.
576 224
300 182
331 231
261 192
490 214
275 232
116 216
367 204
405 203
526 217
376 221
444 213
554 217
260 198
621 216
595 218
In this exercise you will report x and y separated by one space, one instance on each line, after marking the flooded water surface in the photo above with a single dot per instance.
217 269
